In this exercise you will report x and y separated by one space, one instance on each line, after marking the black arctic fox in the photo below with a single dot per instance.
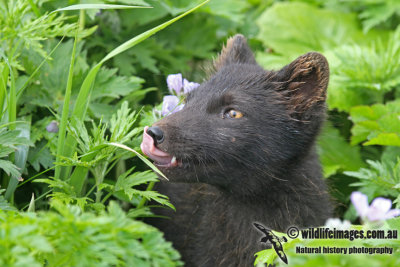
242 151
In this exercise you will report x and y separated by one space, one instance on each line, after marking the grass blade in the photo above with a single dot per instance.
79 112
141 37
12 108
97 6
3 88
78 178
12 97
65 111
148 163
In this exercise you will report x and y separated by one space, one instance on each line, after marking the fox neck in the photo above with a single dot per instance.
298 197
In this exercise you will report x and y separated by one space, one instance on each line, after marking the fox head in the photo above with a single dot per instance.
244 127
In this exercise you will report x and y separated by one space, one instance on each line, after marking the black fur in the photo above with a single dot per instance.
261 167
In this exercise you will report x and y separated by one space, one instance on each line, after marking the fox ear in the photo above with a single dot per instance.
236 51
304 81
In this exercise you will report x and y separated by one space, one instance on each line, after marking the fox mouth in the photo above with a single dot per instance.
161 158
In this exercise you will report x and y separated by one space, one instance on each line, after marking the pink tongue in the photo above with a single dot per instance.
150 150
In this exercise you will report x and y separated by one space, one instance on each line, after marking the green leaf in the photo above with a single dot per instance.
233 10
377 12
108 81
336 154
10 168
4 205
107 238
40 156
20 157
363 73
11 138
385 139
125 182
377 124
343 97
292 29
379 179
64 192
390 154
267 256
22 88
21 29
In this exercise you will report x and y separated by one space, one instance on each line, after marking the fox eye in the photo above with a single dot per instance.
233 114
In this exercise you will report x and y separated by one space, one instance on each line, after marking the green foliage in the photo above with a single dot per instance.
292 29
4 205
40 74
95 153
22 28
182 53
83 97
378 124
70 237
380 179
363 74
336 154
378 12
9 140
127 181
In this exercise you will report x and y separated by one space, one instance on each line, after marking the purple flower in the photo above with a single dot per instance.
175 83
170 105
189 86
52 127
378 210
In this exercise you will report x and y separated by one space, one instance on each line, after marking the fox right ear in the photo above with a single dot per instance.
236 51
304 82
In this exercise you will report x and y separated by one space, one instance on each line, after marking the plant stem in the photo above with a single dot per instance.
91 190
100 178
107 197
144 200
12 117
81 19
33 177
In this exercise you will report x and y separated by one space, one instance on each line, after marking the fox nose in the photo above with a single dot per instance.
157 134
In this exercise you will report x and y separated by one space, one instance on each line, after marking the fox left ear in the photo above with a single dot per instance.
304 81
236 51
